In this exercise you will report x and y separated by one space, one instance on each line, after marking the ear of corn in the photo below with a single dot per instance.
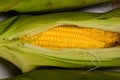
67 74
27 56
45 5
78 37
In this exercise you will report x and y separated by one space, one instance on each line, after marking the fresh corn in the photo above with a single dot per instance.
98 44
45 5
71 36
67 74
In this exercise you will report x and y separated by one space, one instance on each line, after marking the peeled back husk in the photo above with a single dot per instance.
46 5
28 57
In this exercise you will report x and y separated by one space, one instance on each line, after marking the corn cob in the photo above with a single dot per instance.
63 35
45 5
17 41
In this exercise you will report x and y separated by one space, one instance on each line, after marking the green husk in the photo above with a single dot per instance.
66 74
28 57
5 24
45 5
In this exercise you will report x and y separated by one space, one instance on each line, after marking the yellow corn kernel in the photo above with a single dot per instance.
71 36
